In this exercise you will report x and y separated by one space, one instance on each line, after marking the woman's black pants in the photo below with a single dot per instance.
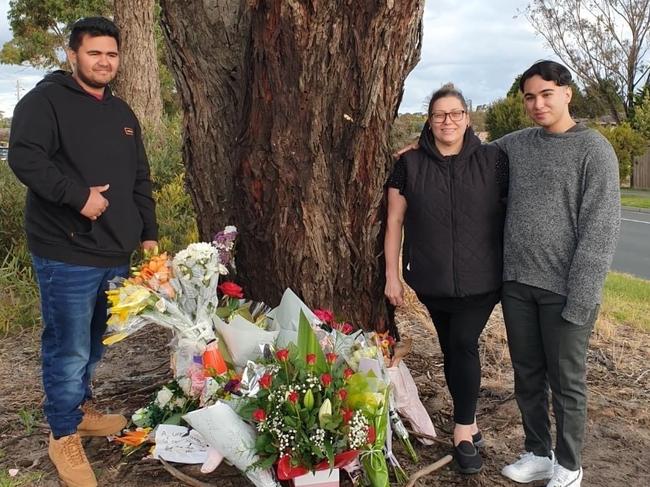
458 333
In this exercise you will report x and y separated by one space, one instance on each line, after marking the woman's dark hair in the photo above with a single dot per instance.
94 27
446 90
549 71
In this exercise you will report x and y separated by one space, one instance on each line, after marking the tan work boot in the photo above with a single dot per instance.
95 423
70 460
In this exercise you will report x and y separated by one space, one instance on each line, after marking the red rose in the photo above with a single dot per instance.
331 357
282 355
259 415
324 315
343 394
372 435
231 289
311 358
326 379
346 328
293 397
265 381
346 414
347 373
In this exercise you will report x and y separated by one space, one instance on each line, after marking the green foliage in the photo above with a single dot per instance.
12 202
164 151
41 29
19 302
641 120
29 418
176 218
505 116
628 144
406 129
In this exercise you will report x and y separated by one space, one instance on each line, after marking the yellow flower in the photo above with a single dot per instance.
127 301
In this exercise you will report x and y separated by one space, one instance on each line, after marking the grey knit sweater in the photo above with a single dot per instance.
563 214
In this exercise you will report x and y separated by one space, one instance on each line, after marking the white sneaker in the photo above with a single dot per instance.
530 467
563 477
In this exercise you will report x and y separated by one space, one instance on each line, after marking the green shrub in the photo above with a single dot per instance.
12 204
505 116
176 218
628 144
164 152
19 300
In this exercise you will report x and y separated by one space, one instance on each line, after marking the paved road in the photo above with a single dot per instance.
633 251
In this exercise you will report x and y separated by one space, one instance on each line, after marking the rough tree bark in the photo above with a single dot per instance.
138 80
288 107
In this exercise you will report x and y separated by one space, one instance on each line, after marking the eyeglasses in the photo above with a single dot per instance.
454 116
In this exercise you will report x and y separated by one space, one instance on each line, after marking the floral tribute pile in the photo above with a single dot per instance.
278 392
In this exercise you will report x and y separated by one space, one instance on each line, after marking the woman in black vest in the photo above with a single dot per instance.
448 196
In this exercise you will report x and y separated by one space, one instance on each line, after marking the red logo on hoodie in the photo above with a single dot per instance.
128 131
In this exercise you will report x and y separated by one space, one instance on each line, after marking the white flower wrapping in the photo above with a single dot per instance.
225 431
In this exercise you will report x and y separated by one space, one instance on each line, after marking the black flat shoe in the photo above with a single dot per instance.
478 440
468 458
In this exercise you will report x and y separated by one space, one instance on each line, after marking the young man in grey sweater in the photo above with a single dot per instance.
561 230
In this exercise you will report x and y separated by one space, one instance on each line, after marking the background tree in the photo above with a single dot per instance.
41 29
40 37
506 115
600 40
288 108
138 79
641 120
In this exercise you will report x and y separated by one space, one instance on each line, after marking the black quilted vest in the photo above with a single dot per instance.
453 228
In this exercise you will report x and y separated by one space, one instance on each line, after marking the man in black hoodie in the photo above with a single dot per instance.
79 151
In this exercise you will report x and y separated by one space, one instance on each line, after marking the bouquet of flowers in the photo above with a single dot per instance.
301 412
168 406
180 294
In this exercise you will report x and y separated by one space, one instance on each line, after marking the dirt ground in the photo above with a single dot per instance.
617 451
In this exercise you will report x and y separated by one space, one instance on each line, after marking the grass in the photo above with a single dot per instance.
21 479
29 418
635 201
627 301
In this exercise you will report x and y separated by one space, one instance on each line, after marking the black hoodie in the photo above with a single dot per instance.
63 141
453 227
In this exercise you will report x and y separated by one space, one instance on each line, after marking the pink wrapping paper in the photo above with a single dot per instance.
407 401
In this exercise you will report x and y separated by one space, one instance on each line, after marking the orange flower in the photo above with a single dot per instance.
134 438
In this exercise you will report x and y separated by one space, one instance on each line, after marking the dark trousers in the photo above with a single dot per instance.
458 334
547 350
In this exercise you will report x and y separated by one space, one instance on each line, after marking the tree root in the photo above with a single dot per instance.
186 479
428 469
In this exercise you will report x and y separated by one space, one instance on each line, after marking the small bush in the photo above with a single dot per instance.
176 218
505 116
164 152
12 204
19 300
628 144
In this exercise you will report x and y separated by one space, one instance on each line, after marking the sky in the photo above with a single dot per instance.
479 46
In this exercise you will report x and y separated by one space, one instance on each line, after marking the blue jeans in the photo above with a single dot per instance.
74 309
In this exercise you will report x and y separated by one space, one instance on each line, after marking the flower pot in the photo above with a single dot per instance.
320 478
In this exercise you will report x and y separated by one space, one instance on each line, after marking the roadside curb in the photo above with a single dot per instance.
633 208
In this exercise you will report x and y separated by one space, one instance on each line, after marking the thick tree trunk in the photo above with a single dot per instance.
288 111
138 80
